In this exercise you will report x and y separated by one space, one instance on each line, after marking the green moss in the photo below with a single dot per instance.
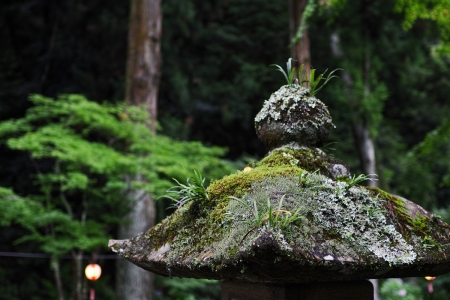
431 232
208 221
238 184
336 220
397 207
309 159
420 223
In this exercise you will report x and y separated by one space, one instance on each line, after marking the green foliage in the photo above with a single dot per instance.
313 82
93 146
66 233
82 153
186 289
361 178
194 190
310 81
429 161
289 76
397 289
437 11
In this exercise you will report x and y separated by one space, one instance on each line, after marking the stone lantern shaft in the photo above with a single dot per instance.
351 290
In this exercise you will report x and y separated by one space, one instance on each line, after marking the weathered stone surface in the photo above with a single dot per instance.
296 216
342 232
290 115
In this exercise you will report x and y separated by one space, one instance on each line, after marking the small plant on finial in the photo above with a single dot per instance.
302 77
290 71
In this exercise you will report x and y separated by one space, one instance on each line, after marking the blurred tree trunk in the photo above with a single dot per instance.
57 274
133 282
144 56
300 49
142 84
361 132
78 274
366 150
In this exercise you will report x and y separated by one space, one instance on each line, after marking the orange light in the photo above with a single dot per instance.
93 272
429 278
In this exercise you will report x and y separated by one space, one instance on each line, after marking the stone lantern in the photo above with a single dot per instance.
295 225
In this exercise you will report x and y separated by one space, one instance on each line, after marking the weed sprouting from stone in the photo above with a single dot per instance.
303 78
193 190
361 177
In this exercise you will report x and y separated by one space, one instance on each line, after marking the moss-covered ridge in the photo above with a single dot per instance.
339 230
307 158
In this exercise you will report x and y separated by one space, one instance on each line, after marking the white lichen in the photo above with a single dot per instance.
285 99
353 214
290 114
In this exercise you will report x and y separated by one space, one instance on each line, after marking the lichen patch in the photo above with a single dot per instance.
326 208
290 115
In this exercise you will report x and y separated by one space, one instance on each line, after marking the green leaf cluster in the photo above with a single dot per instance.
429 161
193 190
82 153
434 10
310 80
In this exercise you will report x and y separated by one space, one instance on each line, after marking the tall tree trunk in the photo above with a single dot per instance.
57 273
142 84
144 55
133 282
78 274
300 50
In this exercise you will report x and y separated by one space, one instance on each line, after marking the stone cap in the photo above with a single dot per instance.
291 115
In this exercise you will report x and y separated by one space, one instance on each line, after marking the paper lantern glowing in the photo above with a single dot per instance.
93 272
430 285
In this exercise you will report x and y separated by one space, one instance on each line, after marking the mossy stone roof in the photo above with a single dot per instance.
296 216
338 232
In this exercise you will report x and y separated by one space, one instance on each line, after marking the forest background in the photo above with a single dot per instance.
63 157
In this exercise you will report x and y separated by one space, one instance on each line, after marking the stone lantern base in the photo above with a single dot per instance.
346 290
